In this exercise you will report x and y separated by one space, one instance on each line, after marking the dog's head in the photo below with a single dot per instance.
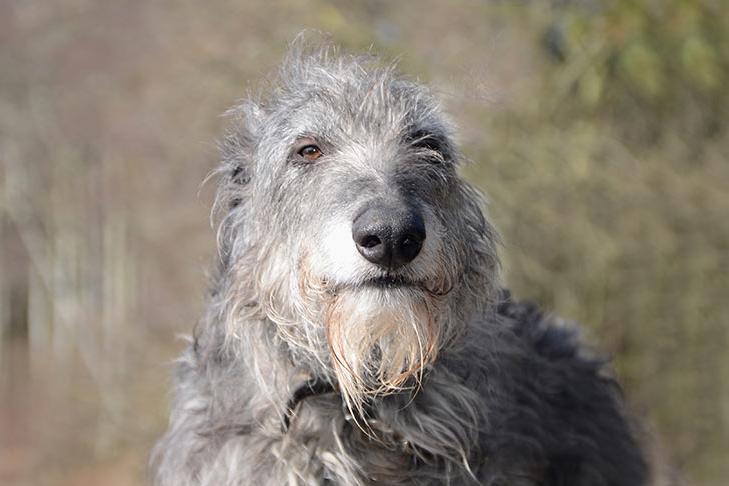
347 226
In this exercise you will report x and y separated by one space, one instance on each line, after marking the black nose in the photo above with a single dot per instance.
388 235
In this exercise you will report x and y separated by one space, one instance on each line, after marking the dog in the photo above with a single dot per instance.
357 332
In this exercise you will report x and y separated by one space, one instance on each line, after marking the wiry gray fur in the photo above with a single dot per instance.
504 396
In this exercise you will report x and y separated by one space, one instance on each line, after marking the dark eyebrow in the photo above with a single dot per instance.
425 139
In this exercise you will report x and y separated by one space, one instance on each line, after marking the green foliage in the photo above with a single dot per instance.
645 61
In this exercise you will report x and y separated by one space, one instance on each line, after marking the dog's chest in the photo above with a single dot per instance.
326 445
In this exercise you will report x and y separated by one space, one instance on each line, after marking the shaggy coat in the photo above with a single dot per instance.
313 366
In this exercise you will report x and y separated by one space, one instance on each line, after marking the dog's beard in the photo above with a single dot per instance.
380 340
371 339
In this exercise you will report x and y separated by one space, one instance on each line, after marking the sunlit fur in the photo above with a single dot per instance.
437 379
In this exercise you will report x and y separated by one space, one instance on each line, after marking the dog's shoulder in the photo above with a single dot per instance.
548 336
571 401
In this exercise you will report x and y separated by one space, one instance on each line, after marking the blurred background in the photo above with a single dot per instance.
599 130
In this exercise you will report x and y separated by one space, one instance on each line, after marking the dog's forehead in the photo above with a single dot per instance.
346 98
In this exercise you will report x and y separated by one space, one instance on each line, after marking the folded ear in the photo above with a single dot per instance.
238 144
235 173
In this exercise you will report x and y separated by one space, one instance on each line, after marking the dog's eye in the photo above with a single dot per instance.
310 152
427 142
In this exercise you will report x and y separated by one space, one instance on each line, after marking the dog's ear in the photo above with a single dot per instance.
239 142
235 172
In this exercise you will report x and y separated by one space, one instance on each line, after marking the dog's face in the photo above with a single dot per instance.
348 226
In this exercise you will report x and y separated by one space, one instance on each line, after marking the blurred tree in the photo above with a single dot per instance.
651 67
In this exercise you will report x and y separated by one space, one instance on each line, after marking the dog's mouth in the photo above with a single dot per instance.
387 282
384 282
380 282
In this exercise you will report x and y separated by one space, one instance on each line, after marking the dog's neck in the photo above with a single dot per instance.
284 392
310 387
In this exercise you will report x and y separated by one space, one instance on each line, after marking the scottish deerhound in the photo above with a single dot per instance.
356 331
